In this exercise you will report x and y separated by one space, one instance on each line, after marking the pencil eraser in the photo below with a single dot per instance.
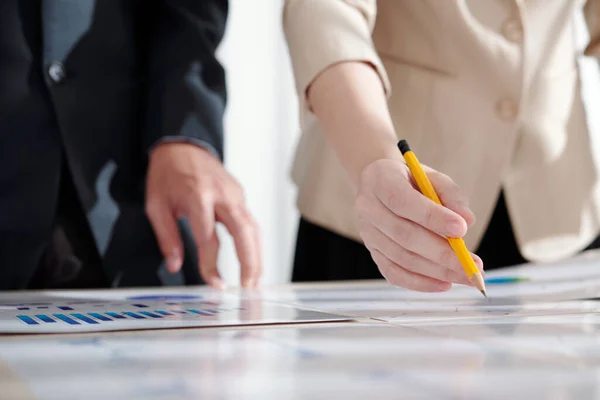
403 146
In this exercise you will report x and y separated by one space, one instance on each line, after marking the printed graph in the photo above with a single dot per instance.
142 311
114 310
95 312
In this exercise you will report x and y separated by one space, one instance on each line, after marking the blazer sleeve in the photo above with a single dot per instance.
186 92
321 33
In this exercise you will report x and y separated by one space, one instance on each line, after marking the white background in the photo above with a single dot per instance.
261 131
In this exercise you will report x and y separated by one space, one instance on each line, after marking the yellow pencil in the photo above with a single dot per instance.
457 244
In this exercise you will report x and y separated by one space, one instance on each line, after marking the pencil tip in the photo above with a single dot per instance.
483 293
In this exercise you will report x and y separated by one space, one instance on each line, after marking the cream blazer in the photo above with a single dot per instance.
491 92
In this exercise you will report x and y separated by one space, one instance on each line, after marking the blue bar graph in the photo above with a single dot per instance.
44 318
99 316
163 312
65 308
148 313
85 318
22 308
200 312
27 319
133 315
115 315
66 319
165 298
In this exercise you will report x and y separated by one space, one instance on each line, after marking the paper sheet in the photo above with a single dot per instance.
553 289
65 312
414 311
545 284
376 304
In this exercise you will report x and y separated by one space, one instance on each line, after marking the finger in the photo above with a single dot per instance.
412 261
201 216
451 195
242 228
399 276
404 201
259 249
257 269
208 257
165 228
412 237
478 262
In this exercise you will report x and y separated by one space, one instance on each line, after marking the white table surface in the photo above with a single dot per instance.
399 345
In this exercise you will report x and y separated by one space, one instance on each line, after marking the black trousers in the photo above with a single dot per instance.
322 255
71 259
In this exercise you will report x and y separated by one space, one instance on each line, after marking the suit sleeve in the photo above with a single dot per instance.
321 33
186 92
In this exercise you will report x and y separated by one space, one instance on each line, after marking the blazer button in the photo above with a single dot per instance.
507 109
57 72
513 31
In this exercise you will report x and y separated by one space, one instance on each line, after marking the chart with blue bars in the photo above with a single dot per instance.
138 309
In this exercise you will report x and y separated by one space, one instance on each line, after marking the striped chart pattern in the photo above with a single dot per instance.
94 318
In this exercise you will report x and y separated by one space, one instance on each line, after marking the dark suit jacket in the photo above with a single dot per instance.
96 86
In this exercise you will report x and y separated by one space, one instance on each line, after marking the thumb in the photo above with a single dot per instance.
165 228
451 195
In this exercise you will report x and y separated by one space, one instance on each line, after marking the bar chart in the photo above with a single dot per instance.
111 316
115 310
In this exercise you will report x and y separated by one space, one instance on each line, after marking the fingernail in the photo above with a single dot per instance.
455 229
466 210
174 262
472 214
444 287
248 283
218 283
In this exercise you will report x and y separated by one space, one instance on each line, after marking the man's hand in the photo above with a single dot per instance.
405 231
185 180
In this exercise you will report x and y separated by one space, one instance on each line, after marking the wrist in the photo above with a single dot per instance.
186 141
177 147
386 150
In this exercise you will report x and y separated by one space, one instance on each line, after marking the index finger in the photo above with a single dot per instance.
406 202
201 216
451 195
